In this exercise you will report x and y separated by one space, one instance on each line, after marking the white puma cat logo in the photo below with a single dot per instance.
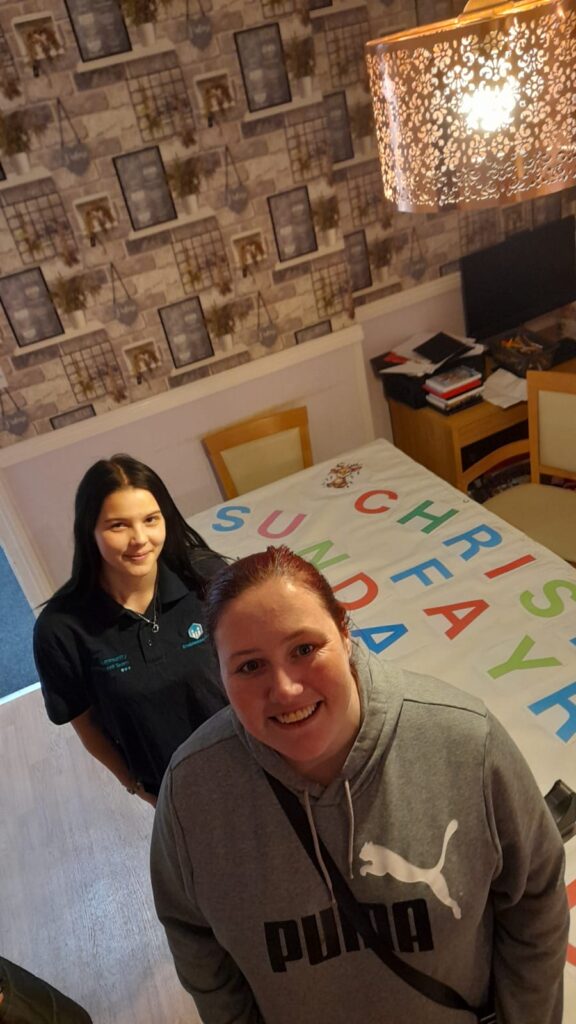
385 862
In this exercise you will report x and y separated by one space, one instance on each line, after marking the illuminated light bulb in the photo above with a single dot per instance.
476 110
490 107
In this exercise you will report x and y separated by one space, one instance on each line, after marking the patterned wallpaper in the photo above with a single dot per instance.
199 188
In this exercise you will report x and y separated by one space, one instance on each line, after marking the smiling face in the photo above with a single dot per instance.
129 534
286 669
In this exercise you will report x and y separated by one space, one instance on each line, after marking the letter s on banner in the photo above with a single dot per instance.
229 520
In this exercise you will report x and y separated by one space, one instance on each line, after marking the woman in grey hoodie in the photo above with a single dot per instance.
409 786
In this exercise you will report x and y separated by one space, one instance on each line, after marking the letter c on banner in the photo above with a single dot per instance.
360 503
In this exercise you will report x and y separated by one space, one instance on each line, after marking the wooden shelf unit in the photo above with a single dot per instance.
438 441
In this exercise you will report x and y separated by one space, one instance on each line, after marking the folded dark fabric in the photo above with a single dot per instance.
29 1000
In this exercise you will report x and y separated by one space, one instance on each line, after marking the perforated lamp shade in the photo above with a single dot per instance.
478 110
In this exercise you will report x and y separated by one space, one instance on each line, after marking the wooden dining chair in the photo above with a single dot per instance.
544 512
259 450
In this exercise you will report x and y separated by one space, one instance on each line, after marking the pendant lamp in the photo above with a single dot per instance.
479 110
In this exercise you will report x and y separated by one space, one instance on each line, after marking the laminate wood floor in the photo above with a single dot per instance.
75 900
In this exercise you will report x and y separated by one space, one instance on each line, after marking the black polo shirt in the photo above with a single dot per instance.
150 690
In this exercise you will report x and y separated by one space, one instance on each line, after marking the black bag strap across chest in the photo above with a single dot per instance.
358 915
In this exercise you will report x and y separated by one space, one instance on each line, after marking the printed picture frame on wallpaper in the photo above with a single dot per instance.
293 223
264 74
99 28
317 330
31 314
186 332
145 188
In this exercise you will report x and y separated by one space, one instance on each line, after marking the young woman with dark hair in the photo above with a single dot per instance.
120 649
348 841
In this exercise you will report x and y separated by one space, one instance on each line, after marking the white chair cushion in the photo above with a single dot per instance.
256 463
547 514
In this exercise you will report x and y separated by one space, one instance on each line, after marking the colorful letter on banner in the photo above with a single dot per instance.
556 604
474 545
433 521
320 550
492 574
392 634
561 698
420 572
459 623
361 602
517 660
229 520
360 503
264 528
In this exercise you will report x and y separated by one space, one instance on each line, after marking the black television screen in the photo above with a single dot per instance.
529 274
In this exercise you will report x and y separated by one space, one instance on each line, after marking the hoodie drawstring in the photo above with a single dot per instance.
350 829
317 851
323 867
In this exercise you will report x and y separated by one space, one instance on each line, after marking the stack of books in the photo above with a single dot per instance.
454 389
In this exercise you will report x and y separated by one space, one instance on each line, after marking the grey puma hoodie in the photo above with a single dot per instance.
435 821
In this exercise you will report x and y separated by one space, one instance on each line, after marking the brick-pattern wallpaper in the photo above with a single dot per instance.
260 110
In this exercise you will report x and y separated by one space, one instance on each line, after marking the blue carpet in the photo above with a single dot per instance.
17 669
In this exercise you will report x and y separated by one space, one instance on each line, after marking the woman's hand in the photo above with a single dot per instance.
148 798
104 750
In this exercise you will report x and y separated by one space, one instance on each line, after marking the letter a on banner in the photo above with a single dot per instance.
391 635
459 622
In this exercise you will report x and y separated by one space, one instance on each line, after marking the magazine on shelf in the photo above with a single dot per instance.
423 354
453 381
441 347
455 392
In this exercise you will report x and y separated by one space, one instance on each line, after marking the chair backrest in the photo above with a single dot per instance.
259 450
552 423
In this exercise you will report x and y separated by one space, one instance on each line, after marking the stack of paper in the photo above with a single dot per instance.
424 353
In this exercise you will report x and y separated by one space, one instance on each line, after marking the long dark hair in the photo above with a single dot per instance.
183 549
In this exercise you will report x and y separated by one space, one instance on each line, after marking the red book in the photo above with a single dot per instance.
455 391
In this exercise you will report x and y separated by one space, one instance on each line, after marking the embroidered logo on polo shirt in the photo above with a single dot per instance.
196 634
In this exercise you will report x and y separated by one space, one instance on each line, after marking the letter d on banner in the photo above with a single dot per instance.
363 582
